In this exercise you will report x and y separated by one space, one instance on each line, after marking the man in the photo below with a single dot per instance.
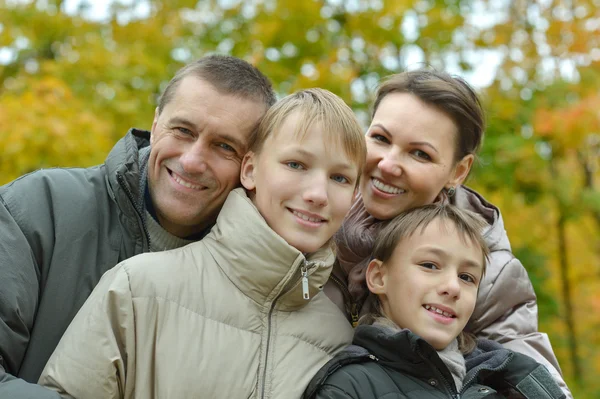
63 228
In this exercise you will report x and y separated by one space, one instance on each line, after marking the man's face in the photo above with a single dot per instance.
197 144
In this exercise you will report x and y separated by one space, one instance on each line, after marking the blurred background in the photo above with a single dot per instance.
75 75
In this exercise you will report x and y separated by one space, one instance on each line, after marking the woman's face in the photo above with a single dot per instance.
410 156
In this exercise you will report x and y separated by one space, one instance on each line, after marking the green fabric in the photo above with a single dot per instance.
61 230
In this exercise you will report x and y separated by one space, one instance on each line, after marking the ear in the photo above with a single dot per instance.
156 115
376 277
461 170
247 171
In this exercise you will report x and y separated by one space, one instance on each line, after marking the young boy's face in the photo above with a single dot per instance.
429 285
302 189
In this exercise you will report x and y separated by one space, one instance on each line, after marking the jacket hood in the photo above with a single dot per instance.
259 262
495 236
123 158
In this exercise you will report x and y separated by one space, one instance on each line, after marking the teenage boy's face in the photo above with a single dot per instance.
302 189
429 285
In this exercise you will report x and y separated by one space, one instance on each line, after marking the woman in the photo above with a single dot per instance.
426 130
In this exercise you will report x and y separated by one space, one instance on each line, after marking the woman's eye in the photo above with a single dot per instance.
380 138
429 265
340 179
422 155
294 165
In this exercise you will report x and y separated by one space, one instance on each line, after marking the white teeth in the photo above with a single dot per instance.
307 218
184 183
386 188
439 311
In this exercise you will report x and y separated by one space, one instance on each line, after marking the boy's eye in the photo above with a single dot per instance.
294 165
429 265
467 277
422 154
340 179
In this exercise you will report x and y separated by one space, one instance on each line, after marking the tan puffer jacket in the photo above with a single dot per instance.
220 318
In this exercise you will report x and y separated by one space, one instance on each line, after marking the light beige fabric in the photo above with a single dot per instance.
220 318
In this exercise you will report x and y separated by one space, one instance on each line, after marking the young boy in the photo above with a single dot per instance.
425 274
240 313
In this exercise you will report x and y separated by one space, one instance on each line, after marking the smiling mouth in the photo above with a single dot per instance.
179 180
440 312
386 188
310 218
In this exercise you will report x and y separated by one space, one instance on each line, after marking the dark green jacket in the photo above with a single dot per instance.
383 363
61 229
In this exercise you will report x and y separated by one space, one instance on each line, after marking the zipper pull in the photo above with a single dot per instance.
354 314
305 292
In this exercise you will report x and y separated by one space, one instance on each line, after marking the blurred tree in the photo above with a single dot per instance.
71 84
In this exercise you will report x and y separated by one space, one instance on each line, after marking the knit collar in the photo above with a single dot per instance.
259 262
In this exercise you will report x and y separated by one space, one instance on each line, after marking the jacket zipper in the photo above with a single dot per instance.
304 269
348 299
124 186
478 368
451 388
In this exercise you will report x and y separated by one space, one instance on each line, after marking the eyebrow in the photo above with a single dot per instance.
421 143
341 165
178 120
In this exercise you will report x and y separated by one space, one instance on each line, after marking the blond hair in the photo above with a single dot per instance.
316 106
467 224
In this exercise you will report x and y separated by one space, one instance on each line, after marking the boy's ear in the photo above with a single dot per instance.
461 170
156 115
247 171
376 277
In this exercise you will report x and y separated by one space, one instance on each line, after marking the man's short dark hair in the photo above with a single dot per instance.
229 75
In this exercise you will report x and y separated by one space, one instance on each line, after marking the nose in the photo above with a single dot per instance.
316 191
390 163
194 157
450 287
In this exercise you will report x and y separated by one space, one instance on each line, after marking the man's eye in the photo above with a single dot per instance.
422 155
294 165
226 147
184 130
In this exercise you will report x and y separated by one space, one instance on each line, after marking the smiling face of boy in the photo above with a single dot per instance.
302 186
429 285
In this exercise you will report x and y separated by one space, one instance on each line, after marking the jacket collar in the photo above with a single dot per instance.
495 235
258 261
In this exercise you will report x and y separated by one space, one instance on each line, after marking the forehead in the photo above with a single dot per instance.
442 234
201 104
406 115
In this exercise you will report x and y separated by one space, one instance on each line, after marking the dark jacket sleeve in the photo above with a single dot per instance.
19 288
506 312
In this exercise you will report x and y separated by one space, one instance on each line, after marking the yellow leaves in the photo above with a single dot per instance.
44 125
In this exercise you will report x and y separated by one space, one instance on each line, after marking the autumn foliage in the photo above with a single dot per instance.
72 81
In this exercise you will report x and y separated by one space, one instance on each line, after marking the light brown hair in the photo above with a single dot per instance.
451 95
229 75
467 224
337 120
